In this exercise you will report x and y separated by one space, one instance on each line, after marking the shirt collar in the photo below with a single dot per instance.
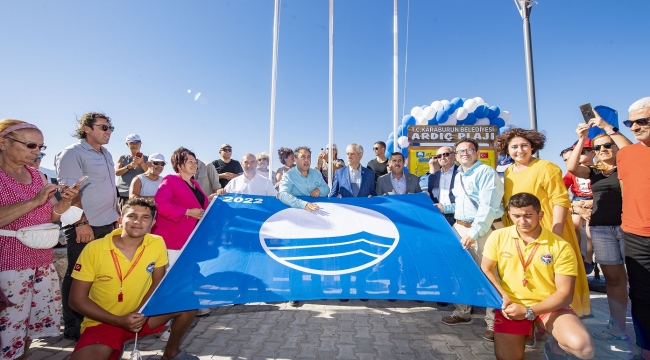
542 238
393 177
471 169
108 239
87 146
451 170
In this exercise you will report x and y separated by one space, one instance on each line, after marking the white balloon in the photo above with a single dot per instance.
451 120
403 141
470 105
444 103
505 115
479 100
437 105
461 113
428 112
421 121
416 111
483 121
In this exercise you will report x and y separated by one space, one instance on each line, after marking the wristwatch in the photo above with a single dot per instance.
530 315
613 131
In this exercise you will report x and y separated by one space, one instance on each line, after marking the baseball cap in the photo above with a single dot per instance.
587 144
156 157
333 146
133 138
224 146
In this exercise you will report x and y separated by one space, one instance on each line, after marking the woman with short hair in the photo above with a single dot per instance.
288 161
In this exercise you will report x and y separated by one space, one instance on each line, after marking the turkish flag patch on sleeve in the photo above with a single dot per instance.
77 267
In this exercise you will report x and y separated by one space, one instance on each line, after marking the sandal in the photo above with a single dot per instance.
605 335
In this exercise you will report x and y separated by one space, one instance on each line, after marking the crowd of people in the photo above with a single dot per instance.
125 226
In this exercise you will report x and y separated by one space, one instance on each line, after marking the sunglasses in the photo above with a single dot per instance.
30 145
263 159
159 163
226 150
105 127
607 145
440 156
375 148
640 122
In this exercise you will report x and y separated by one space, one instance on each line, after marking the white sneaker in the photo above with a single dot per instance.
202 312
165 335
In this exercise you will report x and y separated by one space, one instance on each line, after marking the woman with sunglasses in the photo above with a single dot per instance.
543 179
263 164
27 275
605 221
288 161
146 185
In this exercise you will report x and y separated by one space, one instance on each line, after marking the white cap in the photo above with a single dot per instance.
156 157
333 146
133 138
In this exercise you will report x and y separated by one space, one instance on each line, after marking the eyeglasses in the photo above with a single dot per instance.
439 156
465 152
159 163
375 148
226 150
30 145
607 145
263 159
640 122
106 127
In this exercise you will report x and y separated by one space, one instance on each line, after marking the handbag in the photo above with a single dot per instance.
43 236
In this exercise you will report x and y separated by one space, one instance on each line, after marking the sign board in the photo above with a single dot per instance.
418 159
451 134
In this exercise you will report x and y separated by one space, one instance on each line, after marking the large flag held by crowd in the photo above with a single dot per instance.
256 249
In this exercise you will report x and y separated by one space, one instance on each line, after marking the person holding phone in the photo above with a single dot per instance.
129 166
27 275
97 198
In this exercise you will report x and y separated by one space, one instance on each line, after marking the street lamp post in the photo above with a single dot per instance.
525 7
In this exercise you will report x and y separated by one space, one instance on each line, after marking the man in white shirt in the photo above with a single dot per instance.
250 182
442 181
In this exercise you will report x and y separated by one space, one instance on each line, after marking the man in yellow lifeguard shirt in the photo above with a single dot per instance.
113 278
538 271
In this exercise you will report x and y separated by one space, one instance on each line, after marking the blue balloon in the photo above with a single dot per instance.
415 144
405 152
493 112
432 122
504 129
499 122
457 102
460 122
441 116
387 153
390 145
391 136
481 111
408 120
449 108
402 131
470 119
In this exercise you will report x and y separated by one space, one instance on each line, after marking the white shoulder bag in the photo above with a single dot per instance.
43 236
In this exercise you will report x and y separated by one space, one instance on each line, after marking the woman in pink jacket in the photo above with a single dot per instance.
181 203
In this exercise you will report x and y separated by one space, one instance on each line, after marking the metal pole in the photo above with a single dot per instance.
274 78
330 160
530 76
396 146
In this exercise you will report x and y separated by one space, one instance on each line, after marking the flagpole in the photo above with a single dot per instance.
330 109
274 76
395 79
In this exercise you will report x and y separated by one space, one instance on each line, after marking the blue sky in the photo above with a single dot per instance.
136 61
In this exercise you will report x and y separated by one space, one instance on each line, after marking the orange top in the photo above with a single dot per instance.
634 172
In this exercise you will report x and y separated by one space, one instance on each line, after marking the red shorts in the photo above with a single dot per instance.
523 327
112 336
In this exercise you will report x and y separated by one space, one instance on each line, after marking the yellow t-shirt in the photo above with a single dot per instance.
95 264
553 256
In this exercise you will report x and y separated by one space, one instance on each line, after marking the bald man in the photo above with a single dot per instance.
250 182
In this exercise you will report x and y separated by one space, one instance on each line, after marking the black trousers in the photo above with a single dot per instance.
637 261
72 319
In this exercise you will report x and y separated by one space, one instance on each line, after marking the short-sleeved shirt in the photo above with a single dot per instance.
578 186
97 193
207 177
379 168
553 256
232 166
608 201
259 185
95 264
633 164
124 181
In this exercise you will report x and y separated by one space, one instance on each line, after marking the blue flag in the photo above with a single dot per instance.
256 249
609 115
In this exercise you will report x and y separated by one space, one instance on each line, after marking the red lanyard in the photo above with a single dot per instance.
119 270
521 259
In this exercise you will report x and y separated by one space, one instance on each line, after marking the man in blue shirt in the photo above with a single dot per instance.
353 180
478 193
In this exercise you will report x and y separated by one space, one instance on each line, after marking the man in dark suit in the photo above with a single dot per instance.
353 180
442 181
397 182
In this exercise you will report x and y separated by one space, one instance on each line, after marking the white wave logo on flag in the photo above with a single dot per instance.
338 236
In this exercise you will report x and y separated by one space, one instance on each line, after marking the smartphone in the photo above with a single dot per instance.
80 181
139 154
587 112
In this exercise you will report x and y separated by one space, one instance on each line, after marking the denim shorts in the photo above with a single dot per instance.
609 245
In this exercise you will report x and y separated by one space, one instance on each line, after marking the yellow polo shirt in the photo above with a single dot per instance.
95 264
553 256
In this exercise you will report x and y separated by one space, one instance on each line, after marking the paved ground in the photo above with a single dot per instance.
337 330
